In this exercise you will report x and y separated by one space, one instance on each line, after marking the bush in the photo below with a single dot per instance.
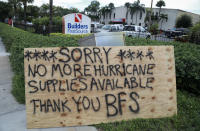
16 40
45 21
184 21
154 29
195 34
68 35
187 62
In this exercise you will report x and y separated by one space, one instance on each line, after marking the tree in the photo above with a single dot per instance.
162 18
5 9
14 3
73 10
44 10
111 6
57 10
32 12
50 14
184 21
150 17
93 9
160 4
25 6
135 8
104 11
127 5
195 33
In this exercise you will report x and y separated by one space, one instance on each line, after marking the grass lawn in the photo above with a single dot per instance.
187 119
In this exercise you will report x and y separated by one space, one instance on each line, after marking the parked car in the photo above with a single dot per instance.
136 31
176 32
106 27
121 27
100 25
115 28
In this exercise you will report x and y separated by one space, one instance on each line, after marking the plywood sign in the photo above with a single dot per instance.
71 86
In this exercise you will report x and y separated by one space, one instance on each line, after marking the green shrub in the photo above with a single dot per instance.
187 62
184 21
45 21
154 29
195 34
16 40
40 23
70 36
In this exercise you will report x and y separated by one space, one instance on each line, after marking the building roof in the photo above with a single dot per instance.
165 9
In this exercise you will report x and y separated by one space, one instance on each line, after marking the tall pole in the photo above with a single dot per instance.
150 14
25 17
50 15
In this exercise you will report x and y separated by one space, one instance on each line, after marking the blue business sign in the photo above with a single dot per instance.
76 23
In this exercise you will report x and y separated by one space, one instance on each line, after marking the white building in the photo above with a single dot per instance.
119 13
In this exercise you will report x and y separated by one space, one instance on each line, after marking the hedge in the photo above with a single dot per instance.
187 62
15 40
187 55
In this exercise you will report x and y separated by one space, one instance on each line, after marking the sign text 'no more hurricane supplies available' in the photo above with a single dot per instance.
70 86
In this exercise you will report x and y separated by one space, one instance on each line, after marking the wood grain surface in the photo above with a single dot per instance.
70 86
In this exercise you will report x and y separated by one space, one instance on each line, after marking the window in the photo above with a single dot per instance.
140 15
114 15
140 24
126 27
132 28
156 13
113 28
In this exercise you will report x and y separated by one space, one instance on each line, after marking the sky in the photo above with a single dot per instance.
187 5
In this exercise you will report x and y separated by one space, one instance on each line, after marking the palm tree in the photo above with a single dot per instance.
86 10
111 6
25 6
103 12
94 7
162 18
127 5
50 14
159 4
92 10
135 8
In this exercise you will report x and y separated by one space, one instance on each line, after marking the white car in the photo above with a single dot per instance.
115 28
136 31
106 27
121 27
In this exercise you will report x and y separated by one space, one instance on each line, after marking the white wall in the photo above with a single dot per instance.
170 22
173 14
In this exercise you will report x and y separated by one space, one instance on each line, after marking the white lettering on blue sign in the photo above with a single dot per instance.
76 23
